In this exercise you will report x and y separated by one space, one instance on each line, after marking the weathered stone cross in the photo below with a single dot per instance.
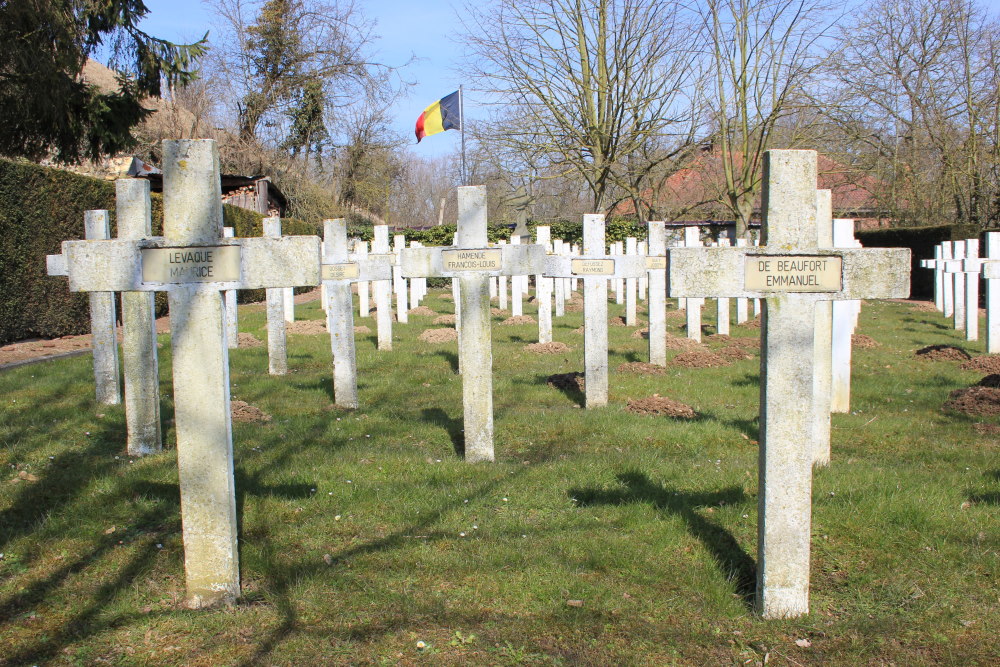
194 264
471 263
792 274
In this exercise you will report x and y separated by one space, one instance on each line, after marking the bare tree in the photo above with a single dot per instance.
762 53
584 85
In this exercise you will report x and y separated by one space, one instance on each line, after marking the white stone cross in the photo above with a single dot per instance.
277 303
955 276
232 312
971 267
631 284
991 273
470 263
722 302
595 268
935 265
193 263
103 322
692 306
338 272
399 282
383 289
845 320
656 269
791 273
543 290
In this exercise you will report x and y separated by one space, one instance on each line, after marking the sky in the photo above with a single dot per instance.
405 29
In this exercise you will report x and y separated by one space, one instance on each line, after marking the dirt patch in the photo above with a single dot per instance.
751 324
943 353
719 338
641 333
641 368
498 312
864 342
990 381
444 319
422 311
248 340
439 335
306 327
986 429
699 359
676 314
922 306
567 381
734 353
979 401
246 413
620 322
745 341
554 347
987 364
574 307
678 343
579 330
446 297
660 406
362 329
519 319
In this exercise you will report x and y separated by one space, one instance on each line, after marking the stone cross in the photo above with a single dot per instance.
516 288
277 338
595 267
103 322
232 312
656 270
935 265
543 290
692 239
947 285
722 302
193 263
954 274
470 263
822 341
383 290
398 281
631 284
845 320
790 273
991 273
364 303
971 267
338 272
559 284
618 248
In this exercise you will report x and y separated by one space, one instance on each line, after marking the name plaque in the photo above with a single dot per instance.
200 264
655 263
777 273
339 271
592 267
485 259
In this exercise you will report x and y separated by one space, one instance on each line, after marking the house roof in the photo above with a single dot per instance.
694 192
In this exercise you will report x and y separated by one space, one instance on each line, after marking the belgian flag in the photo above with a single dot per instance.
445 114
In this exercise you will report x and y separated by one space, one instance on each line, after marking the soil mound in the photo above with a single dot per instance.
498 312
572 381
248 340
519 319
864 342
362 329
679 343
554 347
751 324
719 338
660 406
943 353
444 319
990 381
987 429
620 322
699 359
246 413
641 333
745 341
306 327
422 311
978 401
446 296
439 335
579 330
923 306
987 364
574 307
641 368
734 353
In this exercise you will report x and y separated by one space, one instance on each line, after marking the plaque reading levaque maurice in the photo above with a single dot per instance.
339 271
485 259
592 267
791 273
214 264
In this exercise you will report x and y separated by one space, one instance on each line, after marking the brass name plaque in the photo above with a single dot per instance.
592 267
654 263
776 273
339 271
485 259
218 264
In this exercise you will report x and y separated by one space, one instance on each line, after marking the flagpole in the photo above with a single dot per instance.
461 122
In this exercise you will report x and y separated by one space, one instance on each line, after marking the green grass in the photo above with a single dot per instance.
363 533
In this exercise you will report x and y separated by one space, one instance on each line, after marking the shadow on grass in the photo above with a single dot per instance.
732 560
748 380
750 427
451 357
989 497
570 390
928 323
453 427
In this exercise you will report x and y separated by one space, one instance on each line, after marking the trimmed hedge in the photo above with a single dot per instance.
42 207
921 242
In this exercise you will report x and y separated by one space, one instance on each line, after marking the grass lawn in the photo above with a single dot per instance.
598 537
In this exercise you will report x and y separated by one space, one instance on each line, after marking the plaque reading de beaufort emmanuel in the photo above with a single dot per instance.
592 267
793 273
201 264
485 259
339 271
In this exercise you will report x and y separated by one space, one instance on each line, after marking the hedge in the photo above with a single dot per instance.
40 208
921 242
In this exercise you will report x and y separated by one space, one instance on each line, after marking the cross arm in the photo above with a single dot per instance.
451 262
359 268
864 273
245 263
597 266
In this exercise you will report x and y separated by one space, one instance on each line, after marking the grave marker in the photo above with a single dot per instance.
845 320
398 281
232 312
631 284
103 322
543 290
193 263
790 273
656 269
277 337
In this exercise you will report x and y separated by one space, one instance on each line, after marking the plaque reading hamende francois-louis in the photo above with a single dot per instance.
485 259
213 264
793 273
